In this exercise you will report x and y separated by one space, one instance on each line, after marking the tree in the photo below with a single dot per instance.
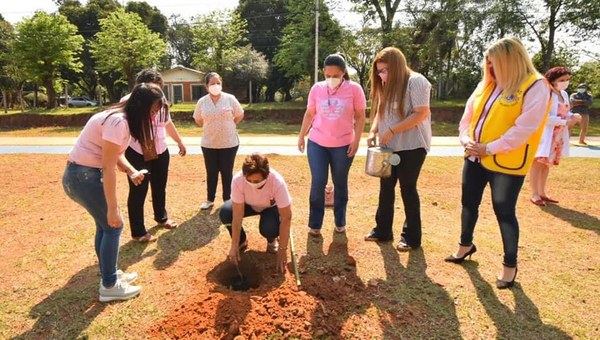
214 34
384 11
266 20
588 73
579 15
86 18
125 44
359 49
296 54
150 16
180 41
44 43
245 64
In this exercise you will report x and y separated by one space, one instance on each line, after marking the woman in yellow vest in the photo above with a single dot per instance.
500 130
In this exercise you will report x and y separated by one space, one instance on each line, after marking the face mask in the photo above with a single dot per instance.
333 82
215 89
580 90
562 85
383 77
257 185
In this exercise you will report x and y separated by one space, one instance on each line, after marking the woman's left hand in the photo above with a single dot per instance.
353 148
281 259
182 149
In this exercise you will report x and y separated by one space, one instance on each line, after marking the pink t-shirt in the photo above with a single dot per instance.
101 127
333 125
160 133
273 193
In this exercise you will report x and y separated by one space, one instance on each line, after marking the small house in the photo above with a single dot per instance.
182 84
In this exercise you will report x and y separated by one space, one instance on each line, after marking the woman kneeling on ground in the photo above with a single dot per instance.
259 190
90 178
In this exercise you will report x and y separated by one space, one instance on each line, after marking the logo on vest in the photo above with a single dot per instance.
511 99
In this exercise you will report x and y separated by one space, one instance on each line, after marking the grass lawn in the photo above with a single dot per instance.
350 288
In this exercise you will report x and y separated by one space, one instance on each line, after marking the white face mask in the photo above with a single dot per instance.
333 82
215 89
562 85
581 90
257 185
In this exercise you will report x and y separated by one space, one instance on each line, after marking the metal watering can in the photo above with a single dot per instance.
380 160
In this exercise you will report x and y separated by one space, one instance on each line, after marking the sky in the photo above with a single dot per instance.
15 10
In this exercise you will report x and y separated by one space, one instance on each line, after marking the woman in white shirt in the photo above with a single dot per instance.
218 113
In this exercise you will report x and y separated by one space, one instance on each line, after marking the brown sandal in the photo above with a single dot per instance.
168 224
145 239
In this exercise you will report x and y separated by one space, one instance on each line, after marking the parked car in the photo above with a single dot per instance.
81 101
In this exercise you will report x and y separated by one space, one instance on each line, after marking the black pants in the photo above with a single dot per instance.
159 171
407 173
219 161
505 192
268 224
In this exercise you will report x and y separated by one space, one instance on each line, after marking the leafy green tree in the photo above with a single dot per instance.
214 34
180 41
86 18
296 54
578 15
44 43
382 10
359 49
245 64
588 73
266 20
150 16
127 45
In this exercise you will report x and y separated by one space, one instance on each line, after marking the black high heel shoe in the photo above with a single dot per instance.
506 284
453 259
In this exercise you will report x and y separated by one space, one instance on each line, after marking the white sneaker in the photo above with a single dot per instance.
273 247
120 291
206 205
124 277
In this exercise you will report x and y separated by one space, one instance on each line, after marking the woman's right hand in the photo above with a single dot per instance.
115 220
301 143
372 139
234 254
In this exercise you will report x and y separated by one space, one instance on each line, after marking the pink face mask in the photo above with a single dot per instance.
383 76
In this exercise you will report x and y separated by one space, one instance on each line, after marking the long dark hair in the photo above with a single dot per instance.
138 110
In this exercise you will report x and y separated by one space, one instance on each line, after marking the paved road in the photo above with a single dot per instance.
441 146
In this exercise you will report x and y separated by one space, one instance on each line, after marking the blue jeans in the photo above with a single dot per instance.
505 192
320 159
84 185
268 224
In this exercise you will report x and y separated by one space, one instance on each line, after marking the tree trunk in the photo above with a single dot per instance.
130 80
4 101
51 92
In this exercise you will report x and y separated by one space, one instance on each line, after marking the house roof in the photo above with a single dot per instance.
181 73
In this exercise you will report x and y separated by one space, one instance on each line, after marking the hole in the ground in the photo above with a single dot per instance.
228 275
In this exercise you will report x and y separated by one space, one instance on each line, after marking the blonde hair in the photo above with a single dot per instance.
396 83
512 65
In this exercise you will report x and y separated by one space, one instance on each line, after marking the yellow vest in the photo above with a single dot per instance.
503 113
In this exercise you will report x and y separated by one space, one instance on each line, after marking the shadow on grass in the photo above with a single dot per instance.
522 323
575 218
418 307
68 311
188 236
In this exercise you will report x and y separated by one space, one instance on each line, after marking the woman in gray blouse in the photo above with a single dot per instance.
402 122
218 113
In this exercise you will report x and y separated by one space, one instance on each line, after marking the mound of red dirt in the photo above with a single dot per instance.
276 307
